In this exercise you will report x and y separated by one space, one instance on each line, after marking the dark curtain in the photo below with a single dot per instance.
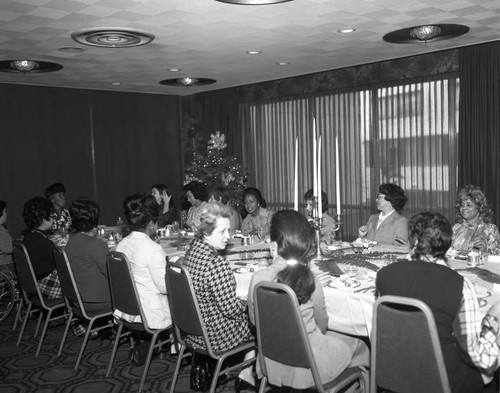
206 113
479 124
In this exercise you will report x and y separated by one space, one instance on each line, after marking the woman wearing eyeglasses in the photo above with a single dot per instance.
474 228
388 226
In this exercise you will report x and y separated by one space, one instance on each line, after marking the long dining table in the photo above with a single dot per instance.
348 277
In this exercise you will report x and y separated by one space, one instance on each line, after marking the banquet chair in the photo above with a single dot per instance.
33 297
125 298
75 306
282 337
406 354
187 320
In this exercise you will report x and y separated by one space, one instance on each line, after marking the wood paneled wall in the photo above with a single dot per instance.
104 145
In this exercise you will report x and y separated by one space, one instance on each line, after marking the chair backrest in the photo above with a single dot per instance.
406 354
184 308
124 296
25 272
281 334
67 280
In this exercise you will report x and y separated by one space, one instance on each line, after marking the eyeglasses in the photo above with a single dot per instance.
380 196
468 204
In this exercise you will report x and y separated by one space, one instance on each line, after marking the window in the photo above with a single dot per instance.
404 134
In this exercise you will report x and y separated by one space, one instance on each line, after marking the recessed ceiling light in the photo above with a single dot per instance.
116 83
71 49
254 52
174 69
283 63
187 81
346 30
27 66
425 33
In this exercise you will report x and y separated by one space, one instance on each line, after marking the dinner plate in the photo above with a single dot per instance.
481 291
243 270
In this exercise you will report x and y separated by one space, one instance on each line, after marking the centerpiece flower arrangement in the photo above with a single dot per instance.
217 169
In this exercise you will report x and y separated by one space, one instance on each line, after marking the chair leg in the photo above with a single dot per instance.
65 334
215 378
20 306
44 331
263 383
25 321
40 318
181 355
148 359
115 347
84 344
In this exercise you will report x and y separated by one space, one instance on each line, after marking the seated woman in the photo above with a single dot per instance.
168 210
147 261
257 218
197 196
328 223
474 228
451 299
87 256
38 219
220 195
388 227
332 355
6 261
56 194
292 241
224 314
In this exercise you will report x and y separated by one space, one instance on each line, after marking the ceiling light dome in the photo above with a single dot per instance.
426 32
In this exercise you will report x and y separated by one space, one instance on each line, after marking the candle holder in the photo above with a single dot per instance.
340 223
316 223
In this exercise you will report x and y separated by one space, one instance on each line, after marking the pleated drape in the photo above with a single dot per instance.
404 134
479 142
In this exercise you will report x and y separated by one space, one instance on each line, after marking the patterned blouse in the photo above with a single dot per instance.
224 314
465 234
61 219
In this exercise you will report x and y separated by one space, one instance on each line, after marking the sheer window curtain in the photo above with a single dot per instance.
404 134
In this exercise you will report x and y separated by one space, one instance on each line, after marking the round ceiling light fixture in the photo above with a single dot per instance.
187 82
26 66
252 2
425 33
112 37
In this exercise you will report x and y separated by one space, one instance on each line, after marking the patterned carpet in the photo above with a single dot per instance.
22 372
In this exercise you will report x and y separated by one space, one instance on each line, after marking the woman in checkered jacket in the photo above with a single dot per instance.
224 314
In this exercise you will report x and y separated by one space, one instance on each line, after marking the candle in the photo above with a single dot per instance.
315 165
320 200
296 177
337 175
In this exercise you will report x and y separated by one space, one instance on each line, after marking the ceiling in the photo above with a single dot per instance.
209 39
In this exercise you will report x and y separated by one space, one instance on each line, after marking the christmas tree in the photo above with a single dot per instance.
217 169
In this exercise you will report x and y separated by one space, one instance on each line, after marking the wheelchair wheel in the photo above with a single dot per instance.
7 296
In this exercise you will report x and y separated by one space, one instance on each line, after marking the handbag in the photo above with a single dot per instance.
202 371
